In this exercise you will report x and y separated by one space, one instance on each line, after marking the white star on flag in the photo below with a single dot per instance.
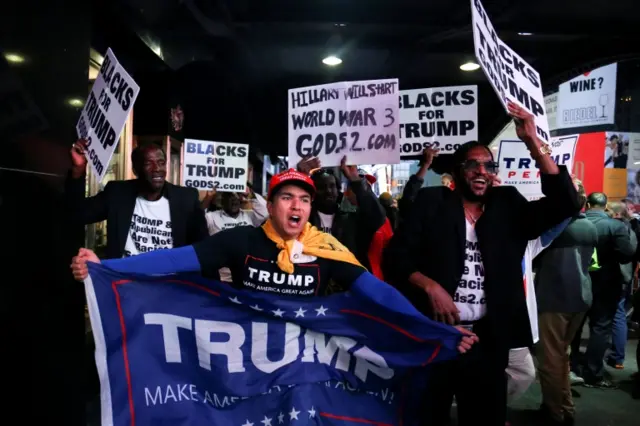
256 307
266 421
300 312
293 414
312 413
235 300
278 313
321 311
248 423
281 418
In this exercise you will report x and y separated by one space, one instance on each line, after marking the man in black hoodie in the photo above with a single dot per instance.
614 249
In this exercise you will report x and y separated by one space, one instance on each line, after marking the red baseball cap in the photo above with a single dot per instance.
291 177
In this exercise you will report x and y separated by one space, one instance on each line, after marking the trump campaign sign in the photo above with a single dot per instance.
182 350
518 169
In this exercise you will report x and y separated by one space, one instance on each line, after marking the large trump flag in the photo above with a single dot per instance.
181 350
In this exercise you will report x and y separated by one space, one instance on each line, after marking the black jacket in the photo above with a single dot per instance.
563 283
116 203
432 241
614 249
356 229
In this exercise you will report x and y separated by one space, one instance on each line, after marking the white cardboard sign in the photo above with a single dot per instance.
511 76
358 119
438 117
104 114
222 166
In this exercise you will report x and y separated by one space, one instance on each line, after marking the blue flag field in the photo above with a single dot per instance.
182 350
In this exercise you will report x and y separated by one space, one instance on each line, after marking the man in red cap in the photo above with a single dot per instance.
286 255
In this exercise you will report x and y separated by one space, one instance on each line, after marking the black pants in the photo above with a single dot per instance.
601 317
478 381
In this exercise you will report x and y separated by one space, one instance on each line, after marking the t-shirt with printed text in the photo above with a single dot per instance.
326 222
251 257
470 296
150 227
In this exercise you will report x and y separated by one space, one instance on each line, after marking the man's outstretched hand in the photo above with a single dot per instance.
79 263
468 339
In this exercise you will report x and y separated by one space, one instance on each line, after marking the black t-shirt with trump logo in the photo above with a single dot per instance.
251 257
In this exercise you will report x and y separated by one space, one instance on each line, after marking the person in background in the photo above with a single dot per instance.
458 259
232 215
447 180
390 206
143 214
619 331
354 228
614 249
563 292
415 182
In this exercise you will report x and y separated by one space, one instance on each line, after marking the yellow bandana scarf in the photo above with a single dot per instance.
315 243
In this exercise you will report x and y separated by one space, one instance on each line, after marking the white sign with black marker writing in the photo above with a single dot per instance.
518 169
104 114
358 119
512 78
222 166
439 117
589 99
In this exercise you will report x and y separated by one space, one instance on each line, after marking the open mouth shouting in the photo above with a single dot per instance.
294 221
479 184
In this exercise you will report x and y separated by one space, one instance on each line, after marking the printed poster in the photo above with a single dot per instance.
589 99
358 119
518 169
219 166
438 117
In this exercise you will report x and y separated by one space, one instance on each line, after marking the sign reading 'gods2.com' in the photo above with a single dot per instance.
358 119
215 165
105 112
439 117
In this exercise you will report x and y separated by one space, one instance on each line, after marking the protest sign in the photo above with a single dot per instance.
183 350
512 78
104 114
551 107
439 117
358 119
589 99
210 165
518 169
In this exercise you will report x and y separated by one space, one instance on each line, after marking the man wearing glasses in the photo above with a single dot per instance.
458 258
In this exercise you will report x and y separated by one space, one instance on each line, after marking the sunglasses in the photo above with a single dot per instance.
474 165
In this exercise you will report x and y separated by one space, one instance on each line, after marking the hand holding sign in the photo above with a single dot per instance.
350 172
308 164
78 158
525 123
428 155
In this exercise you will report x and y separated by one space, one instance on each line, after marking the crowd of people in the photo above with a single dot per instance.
463 253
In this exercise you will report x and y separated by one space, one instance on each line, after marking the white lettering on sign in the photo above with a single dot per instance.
511 76
316 348
440 117
518 169
104 114
222 166
281 278
358 119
